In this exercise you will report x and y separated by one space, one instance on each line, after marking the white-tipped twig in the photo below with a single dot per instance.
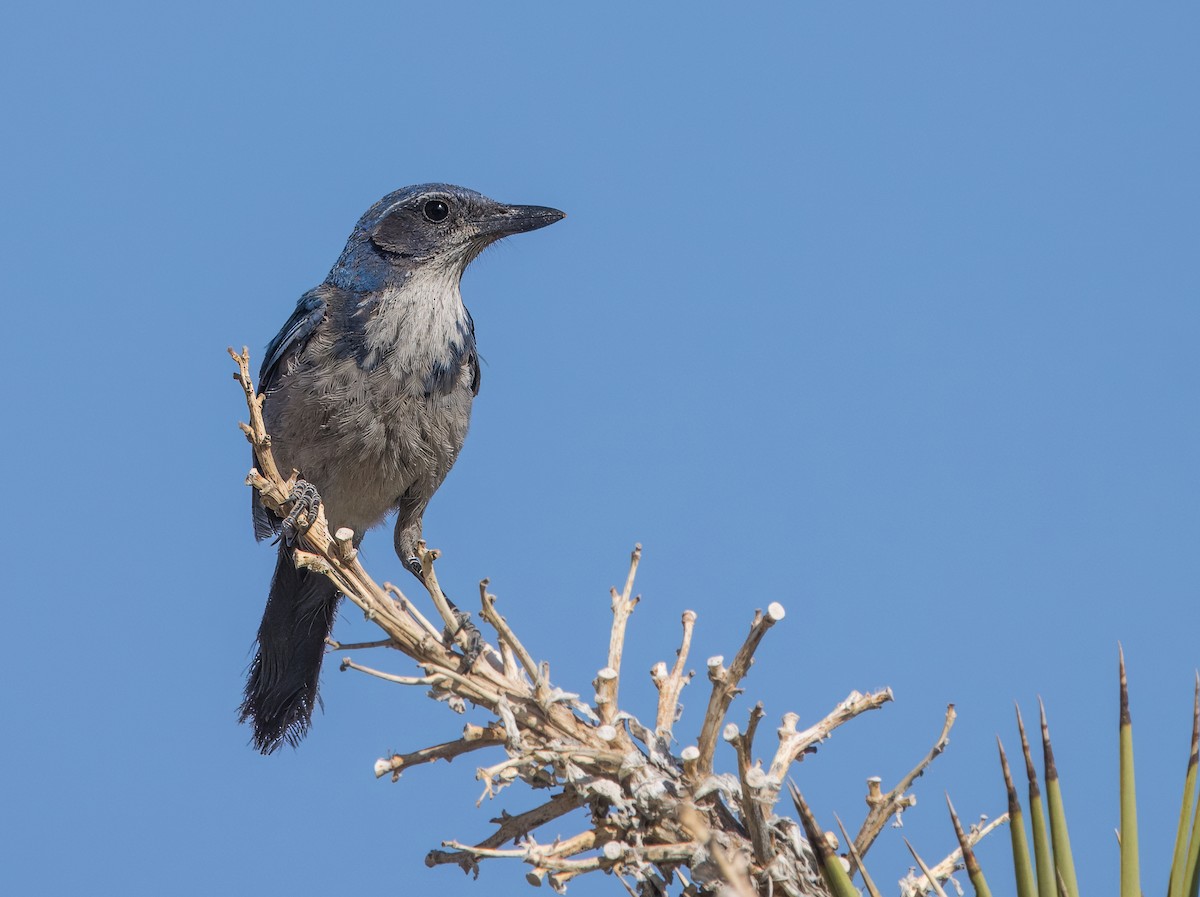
670 685
725 683
608 681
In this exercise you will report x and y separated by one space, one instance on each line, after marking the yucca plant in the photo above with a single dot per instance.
1051 870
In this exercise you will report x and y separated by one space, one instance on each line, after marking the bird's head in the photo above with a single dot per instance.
437 225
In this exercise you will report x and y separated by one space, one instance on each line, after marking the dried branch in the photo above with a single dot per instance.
725 683
426 557
670 685
473 738
412 610
793 743
256 430
609 679
694 822
754 784
651 815
357 646
914 885
507 636
511 828
348 664
884 806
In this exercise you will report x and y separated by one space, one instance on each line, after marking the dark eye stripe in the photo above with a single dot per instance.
436 210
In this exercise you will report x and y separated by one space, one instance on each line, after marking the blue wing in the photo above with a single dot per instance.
286 346
473 356
291 340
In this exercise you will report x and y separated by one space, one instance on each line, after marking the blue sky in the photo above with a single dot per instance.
885 312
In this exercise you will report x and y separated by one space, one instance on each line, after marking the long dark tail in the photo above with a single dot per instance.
282 689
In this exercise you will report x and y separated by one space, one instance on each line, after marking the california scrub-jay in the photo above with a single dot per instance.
369 387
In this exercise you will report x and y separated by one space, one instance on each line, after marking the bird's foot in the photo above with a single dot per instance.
474 638
303 513
473 646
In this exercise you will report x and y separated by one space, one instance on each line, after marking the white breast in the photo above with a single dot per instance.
417 326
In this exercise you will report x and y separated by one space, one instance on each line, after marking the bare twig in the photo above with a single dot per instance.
793 743
507 636
256 430
920 884
356 646
884 806
412 610
455 632
474 738
753 781
609 678
670 685
725 683
435 679
512 828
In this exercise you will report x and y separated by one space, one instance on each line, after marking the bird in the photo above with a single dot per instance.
368 389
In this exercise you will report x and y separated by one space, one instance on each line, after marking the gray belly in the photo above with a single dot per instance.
367 439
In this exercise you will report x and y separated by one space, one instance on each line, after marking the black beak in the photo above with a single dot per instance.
508 220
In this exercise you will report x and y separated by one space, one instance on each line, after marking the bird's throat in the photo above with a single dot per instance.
419 328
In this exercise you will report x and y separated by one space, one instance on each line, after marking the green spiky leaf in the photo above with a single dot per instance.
836 877
1022 863
1064 863
1130 875
1043 856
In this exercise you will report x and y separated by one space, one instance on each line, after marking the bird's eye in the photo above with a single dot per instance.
436 210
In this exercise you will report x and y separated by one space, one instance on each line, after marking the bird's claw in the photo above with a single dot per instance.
474 639
303 513
473 645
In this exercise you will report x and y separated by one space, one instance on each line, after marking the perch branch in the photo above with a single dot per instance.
256 430
454 632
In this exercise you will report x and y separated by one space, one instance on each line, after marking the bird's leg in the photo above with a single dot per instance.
474 638
303 513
